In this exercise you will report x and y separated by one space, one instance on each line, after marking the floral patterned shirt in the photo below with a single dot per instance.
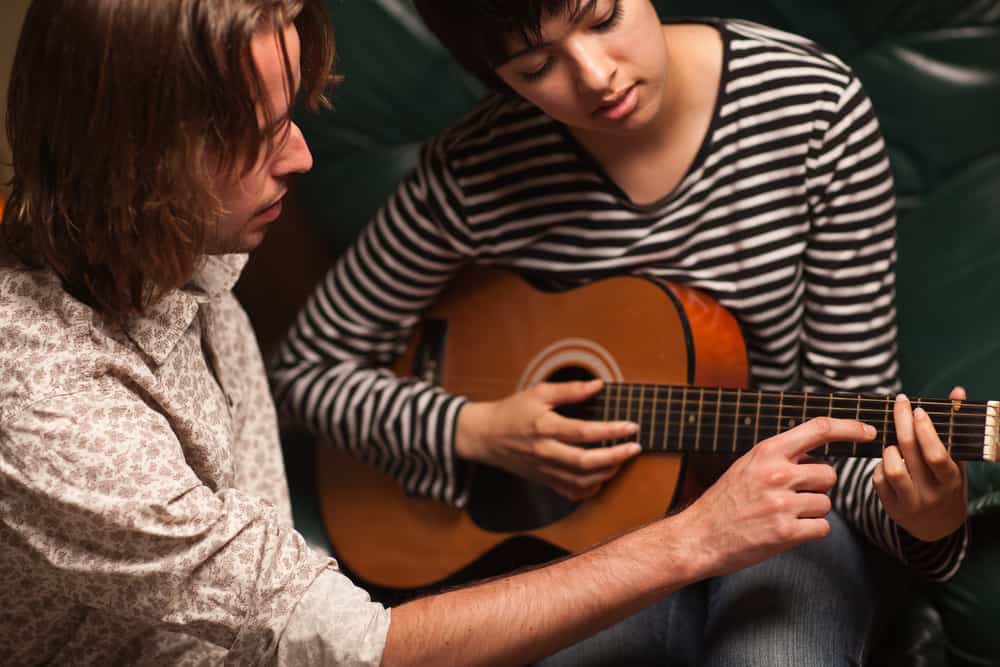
144 512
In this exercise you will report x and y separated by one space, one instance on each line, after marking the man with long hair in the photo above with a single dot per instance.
144 513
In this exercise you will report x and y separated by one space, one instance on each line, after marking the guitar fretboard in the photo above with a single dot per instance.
675 418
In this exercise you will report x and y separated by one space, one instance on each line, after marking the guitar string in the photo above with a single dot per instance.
708 409
838 397
969 422
853 397
964 435
794 403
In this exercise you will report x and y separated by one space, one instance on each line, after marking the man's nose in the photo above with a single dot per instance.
295 156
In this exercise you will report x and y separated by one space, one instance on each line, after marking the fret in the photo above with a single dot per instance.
652 416
604 414
885 424
756 419
781 408
955 407
736 418
805 402
618 401
829 413
638 420
770 404
697 425
857 417
666 418
718 407
790 415
628 404
682 418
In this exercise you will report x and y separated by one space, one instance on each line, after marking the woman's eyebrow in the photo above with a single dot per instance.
581 11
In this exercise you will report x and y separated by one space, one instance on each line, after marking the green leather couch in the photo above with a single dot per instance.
932 69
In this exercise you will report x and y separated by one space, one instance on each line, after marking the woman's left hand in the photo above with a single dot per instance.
922 487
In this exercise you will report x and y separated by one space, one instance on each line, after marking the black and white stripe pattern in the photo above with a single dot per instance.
786 217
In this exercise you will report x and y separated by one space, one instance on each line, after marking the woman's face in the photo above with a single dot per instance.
601 68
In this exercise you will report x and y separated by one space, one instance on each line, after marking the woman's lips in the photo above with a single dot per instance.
621 107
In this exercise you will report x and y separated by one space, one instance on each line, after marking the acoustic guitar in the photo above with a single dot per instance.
673 361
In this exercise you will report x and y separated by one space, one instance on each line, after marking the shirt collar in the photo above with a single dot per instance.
157 331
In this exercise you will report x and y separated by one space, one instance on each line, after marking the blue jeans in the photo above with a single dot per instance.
812 606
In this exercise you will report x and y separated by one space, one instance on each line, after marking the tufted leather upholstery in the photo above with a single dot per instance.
932 69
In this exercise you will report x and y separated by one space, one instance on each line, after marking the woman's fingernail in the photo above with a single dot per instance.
919 413
901 397
634 448
870 430
631 427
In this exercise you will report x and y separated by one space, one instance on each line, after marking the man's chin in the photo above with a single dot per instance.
244 244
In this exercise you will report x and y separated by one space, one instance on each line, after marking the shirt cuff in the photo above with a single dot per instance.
335 623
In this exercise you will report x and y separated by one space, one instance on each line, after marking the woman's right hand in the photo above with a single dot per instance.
523 434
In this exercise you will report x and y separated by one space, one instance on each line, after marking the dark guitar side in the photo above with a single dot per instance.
501 333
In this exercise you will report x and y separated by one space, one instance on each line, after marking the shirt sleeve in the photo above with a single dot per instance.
335 623
113 517
330 374
850 320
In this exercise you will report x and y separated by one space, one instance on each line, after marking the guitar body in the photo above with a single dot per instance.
492 334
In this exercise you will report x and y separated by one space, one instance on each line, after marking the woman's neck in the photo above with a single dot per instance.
648 163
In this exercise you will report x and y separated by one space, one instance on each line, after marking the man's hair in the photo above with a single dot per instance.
476 31
121 117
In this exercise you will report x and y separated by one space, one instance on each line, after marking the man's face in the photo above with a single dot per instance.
601 69
253 200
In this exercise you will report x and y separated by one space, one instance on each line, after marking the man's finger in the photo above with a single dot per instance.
815 477
818 431
813 505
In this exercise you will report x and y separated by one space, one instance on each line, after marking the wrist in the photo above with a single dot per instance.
700 553
470 432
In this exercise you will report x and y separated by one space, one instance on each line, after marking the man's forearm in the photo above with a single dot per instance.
522 618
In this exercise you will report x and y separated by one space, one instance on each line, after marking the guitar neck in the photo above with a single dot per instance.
686 419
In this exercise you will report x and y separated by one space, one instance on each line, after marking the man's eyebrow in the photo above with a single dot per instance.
577 16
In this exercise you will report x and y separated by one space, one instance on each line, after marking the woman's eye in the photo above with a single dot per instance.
612 20
538 72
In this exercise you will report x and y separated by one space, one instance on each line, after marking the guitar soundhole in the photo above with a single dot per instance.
502 502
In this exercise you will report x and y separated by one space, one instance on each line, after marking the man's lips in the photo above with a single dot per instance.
268 209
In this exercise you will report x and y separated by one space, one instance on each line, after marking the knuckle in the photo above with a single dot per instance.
785 530
590 431
822 425
779 477
777 504
895 473
937 458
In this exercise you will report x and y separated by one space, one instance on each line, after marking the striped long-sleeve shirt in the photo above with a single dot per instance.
786 217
